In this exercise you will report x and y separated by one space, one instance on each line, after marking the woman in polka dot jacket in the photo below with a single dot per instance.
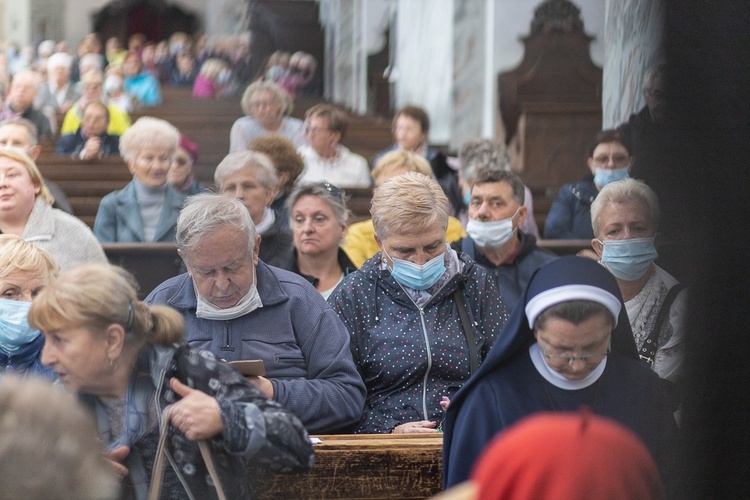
401 310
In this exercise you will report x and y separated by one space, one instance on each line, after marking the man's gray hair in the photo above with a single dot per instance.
205 213
482 153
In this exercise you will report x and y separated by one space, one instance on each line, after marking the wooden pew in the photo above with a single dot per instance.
85 182
361 466
150 263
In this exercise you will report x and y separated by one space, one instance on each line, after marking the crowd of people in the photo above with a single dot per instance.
440 313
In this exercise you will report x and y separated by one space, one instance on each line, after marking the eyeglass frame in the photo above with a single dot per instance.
571 359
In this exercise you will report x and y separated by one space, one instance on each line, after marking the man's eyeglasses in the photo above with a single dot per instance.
570 359
616 159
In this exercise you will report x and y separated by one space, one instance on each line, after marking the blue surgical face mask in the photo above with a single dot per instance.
629 259
467 198
15 330
604 176
415 276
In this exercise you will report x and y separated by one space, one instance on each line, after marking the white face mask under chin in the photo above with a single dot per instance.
250 302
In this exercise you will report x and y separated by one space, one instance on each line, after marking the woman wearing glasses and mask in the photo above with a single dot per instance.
421 316
570 214
318 217
566 345
625 218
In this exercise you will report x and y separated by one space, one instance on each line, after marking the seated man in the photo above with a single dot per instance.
91 140
20 103
92 89
567 344
140 83
496 212
239 308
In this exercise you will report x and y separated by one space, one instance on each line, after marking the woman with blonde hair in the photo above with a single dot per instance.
421 316
359 243
25 269
126 360
146 209
26 211
266 106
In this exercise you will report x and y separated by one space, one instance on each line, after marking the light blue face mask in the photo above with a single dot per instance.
467 198
629 259
415 276
15 330
604 176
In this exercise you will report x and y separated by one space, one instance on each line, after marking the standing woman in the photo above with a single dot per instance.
318 218
146 209
122 357
25 269
26 211
265 105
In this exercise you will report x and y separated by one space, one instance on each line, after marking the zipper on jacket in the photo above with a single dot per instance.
226 346
429 364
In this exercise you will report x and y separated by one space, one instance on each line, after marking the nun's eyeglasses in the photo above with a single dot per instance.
586 358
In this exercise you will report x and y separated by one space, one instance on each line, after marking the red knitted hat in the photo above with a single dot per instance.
564 456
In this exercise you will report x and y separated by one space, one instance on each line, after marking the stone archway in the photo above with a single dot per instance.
157 19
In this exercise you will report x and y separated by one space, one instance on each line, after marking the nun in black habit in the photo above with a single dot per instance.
587 361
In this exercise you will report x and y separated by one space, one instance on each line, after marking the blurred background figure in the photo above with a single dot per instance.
91 141
139 83
54 455
288 164
213 79
24 270
180 174
57 95
326 159
265 105
184 71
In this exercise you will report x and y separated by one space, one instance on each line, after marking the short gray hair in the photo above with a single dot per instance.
481 153
336 201
149 132
408 203
620 192
488 174
240 160
278 93
207 212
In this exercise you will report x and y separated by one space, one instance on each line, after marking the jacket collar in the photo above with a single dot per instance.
127 203
269 289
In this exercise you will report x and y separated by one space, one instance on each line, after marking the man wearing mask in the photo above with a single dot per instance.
496 211
239 308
